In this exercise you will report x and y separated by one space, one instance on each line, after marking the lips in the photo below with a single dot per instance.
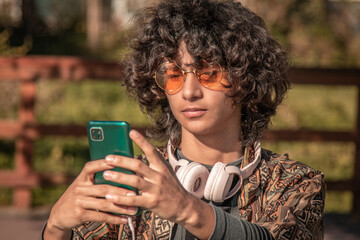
193 112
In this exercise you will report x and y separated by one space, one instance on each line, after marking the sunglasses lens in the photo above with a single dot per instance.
209 75
169 77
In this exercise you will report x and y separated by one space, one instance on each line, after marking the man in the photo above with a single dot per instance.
210 76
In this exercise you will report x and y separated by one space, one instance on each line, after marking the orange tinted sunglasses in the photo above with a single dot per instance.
170 77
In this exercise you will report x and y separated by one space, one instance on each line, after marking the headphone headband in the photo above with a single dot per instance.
246 170
216 185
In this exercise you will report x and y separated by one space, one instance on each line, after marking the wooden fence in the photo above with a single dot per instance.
24 131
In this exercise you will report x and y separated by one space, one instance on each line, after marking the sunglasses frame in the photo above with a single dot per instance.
184 72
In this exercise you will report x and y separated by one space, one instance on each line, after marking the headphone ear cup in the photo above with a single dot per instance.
193 178
218 184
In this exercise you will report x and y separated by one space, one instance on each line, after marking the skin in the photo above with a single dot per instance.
209 119
210 133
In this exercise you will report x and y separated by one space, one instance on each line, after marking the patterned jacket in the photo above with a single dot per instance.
285 196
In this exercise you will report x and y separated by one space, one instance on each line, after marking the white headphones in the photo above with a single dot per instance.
213 186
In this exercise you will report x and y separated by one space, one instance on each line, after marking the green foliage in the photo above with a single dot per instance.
7 50
318 108
79 103
71 41
316 33
60 155
47 196
7 150
9 100
338 202
5 196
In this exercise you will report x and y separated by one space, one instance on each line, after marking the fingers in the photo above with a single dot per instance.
127 179
100 191
104 217
132 164
88 198
148 149
92 167
130 200
149 173
104 205
155 159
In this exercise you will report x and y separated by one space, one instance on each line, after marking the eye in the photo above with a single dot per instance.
208 73
173 73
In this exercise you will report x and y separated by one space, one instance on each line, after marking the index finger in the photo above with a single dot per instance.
153 156
93 167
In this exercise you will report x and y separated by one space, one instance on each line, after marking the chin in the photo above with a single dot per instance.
198 128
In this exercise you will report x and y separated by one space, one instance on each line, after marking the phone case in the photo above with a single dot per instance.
109 137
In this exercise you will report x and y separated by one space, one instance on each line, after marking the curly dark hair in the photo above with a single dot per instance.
223 32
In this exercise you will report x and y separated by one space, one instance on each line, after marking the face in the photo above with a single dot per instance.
199 110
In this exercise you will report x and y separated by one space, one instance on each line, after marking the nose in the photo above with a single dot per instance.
191 88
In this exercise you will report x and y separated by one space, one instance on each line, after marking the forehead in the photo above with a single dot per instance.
183 57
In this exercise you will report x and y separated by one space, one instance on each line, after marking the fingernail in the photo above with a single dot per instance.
134 133
110 197
123 220
107 174
132 210
109 159
130 194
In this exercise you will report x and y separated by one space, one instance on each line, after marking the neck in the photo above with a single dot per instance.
211 149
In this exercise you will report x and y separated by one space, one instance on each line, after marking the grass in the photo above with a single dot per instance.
306 107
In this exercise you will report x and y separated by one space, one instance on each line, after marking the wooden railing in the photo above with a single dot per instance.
24 131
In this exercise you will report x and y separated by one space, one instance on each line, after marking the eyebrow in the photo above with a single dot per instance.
193 64
176 60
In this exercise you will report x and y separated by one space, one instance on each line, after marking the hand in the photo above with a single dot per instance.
77 205
159 190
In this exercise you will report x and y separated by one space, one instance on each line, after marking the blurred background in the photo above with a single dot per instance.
58 68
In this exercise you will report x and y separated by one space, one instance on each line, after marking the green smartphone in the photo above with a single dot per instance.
110 137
